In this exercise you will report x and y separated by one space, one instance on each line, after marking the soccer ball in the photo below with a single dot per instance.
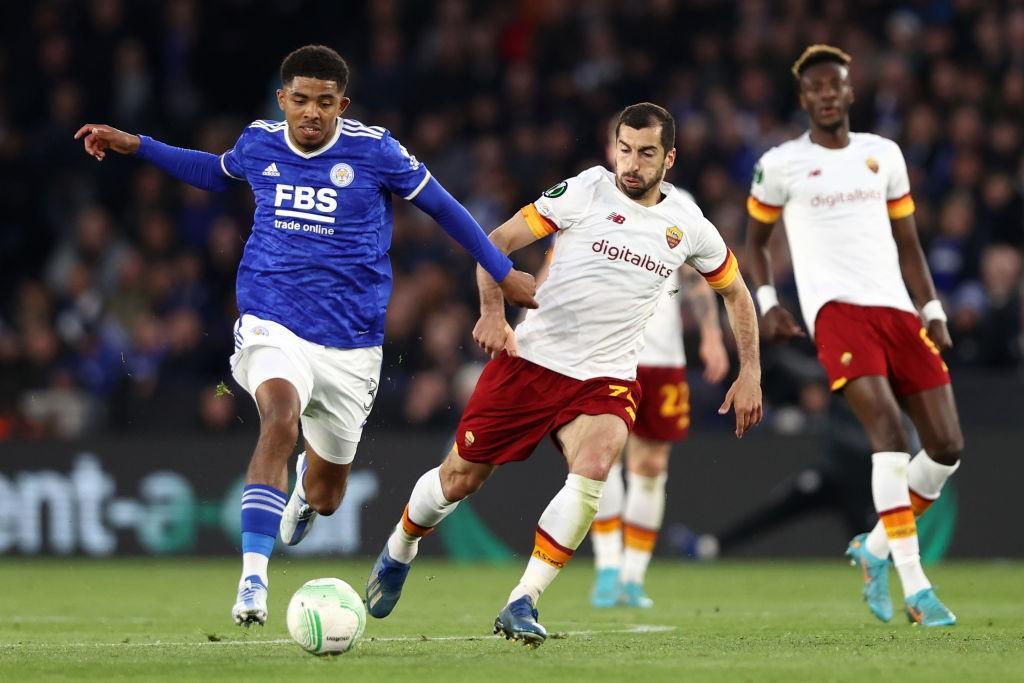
326 617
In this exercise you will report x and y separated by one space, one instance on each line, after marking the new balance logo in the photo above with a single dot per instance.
272 171
815 173
616 218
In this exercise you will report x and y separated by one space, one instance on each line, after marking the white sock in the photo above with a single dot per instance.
892 500
561 529
606 532
426 508
645 510
925 478
254 564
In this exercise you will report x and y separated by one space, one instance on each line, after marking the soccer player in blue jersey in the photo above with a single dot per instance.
312 287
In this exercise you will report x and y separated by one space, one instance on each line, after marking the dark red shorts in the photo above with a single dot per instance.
664 412
516 403
854 341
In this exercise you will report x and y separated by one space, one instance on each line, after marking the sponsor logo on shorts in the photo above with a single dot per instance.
260 331
872 164
846 358
469 438
673 236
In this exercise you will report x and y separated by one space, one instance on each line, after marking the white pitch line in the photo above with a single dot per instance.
639 629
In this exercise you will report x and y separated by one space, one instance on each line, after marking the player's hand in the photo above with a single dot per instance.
518 288
779 325
714 357
744 397
939 333
494 335
99 138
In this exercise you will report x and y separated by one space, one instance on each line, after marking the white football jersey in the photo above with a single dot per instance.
611 258
837 204
663 336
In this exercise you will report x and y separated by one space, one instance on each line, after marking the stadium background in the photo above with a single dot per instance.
116 282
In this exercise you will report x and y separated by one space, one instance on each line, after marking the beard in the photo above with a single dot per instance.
638 191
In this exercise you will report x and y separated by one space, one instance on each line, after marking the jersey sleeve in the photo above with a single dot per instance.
711 258
231 161
561 206
401 172
897 191
767 190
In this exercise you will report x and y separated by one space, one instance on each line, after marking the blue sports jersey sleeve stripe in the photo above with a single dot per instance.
201 169
435 201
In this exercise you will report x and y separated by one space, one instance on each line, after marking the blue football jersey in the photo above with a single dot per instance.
317 259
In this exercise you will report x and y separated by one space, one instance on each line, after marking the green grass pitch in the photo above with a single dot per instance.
755 621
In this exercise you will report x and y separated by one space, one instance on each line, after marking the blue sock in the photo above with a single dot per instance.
262 507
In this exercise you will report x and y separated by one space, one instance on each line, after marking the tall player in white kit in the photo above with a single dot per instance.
845 200
569 371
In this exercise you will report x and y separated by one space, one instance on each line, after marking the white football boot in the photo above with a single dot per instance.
251 604
298 517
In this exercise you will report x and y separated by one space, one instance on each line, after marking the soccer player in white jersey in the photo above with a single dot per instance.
629 517
845 200
312 288
569 370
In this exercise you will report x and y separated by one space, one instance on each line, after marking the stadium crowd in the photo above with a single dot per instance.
116 281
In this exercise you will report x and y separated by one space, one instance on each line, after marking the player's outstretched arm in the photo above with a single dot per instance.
517 286
779 324
200 169
492 332
704 305
744 396
918 277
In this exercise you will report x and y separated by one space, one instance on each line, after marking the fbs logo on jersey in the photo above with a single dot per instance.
673 236
272 171
556 191
342 175
872 164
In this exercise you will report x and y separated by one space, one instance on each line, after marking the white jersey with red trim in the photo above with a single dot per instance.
611 258
837 205
663 336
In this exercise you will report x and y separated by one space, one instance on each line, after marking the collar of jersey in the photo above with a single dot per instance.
315 152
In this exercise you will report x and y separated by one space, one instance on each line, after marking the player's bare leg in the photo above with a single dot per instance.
591 444
319 489
435 496
646 474
872 401
263 498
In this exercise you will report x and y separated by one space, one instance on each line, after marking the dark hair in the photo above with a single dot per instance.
648 115
315 61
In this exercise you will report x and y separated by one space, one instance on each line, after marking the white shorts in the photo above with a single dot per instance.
336 387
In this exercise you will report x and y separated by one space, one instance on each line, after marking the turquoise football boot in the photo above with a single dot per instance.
876 577
633 595
606 588
924 608
518 621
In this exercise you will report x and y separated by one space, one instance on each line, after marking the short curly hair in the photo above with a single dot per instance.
816 54
315 61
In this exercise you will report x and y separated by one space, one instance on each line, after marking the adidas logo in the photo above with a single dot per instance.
272 171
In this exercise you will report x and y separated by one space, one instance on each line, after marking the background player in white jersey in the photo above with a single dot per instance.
569 369
312 288
845 200
629 516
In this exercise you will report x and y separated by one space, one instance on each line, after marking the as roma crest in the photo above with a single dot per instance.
673 236
872 164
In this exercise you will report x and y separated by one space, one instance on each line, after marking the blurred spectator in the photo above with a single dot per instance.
117 282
